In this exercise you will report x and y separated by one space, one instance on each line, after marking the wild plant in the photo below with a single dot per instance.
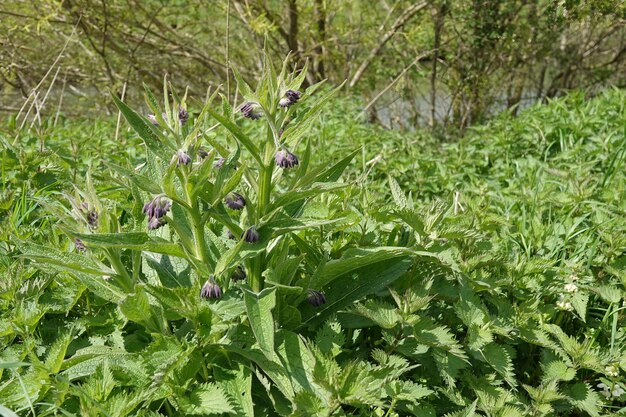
212 259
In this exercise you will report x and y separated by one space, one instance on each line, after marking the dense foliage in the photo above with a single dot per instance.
212 262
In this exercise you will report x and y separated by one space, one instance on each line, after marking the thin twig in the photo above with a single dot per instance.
119 115
395 80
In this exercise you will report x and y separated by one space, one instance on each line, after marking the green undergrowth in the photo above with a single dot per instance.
480 276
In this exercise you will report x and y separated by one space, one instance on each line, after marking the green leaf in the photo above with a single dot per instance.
583 397
259 308
359 273
558 371
141 181
204 399
144 129
132 240
238 134
237 384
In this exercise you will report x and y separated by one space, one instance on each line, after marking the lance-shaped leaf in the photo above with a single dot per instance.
145 130
359 273
259 308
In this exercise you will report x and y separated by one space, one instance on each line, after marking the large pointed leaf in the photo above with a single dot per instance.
259 308
144 129
359 273
133 240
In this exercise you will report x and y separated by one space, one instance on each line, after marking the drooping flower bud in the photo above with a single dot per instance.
152 118
219 163
210 289
291 98
202 152
239 274
250 110
183 115
286 159
235 201
316 298
230 235
251 235
155 222
156 209
79 245
183 158
92 219
293 95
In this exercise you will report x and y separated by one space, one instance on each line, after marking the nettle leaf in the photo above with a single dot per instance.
584 398
398 194
381 313
608 293
236 381
429 333
204 399
329 338
259 308
56 353
557 371
579 302
469 411
500 359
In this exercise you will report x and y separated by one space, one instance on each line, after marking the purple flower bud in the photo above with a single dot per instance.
251 235
92 219
219 163
183 115
286 159
183 158
211 290
156 210
250 110
239 274
79 245
155 222
202 152
235 201
230 235
152 118
291 97
316 298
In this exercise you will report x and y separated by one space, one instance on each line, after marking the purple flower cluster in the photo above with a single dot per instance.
291 98
211 290
183 115
156 210
235 201
251 235
79 245
286 159
183 158
316 298
239 274
250 110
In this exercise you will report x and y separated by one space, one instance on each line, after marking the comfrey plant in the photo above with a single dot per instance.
217 254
